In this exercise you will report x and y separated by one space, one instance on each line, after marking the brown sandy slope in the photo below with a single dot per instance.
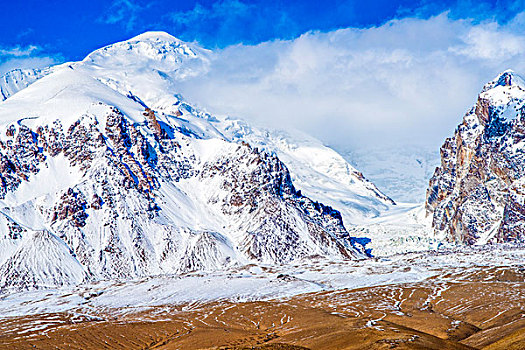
481 309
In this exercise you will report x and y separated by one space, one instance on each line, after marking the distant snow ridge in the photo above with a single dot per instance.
18 79
107 173
477 195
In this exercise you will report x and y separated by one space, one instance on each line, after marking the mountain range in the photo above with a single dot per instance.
108 172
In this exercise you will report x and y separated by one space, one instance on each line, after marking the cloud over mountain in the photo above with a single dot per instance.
406 79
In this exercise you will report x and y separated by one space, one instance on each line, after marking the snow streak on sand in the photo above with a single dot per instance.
258 282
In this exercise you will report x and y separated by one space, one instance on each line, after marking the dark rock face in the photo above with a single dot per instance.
477 194
259 186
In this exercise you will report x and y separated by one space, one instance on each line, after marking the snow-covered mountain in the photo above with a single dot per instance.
477 194
107 172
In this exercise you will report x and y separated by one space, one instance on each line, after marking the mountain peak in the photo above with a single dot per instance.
481 161
155 36
505 78
157 50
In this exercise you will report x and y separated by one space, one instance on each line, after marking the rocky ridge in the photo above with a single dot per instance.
477 194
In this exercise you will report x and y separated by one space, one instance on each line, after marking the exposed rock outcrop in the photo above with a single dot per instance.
477 194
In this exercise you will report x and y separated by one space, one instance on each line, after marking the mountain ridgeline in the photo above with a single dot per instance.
477 194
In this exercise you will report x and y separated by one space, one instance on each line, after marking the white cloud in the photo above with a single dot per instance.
491 42
124 12
24 57
407 81
18 51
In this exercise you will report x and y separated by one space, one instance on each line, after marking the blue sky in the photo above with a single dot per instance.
68 30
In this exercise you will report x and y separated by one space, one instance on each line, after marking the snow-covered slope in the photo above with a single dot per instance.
401 172
317 170
254 283
105 169
477 194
